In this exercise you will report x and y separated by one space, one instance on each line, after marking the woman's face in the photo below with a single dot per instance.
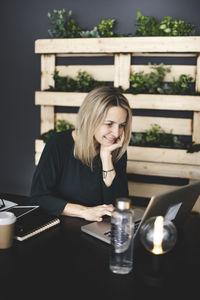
112 127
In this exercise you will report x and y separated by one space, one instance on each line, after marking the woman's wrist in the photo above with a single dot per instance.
105 172
106 155
106 159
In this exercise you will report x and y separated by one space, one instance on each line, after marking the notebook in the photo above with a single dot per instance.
174 205
31 220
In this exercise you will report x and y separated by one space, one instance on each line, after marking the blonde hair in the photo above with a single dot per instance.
91 114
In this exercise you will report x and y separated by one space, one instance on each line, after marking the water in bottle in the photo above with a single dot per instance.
122 230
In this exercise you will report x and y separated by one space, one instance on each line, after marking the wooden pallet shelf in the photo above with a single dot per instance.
148 161
118 45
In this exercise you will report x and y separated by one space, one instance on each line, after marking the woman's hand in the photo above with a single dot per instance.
94 213
107 150
97 212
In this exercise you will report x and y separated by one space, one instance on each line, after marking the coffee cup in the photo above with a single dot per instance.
7 225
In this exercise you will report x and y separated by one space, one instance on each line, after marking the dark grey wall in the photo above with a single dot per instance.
24 21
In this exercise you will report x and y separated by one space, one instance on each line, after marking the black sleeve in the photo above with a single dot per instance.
45 178
119 186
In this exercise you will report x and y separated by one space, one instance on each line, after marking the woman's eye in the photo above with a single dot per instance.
108 124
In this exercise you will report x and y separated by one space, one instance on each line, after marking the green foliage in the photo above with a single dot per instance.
105 28
63 125
192 147
175 27
150 82
86 82
90 33
155 136
60 126
149 26
153 82
64 84
180 86
137 139
64 25
82 83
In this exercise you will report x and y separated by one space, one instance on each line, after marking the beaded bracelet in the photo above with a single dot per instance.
106 172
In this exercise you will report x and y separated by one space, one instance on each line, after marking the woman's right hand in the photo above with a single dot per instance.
94 213
97 212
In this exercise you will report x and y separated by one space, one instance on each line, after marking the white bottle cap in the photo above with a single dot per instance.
123 203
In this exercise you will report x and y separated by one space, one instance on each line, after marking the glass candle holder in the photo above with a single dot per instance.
158 235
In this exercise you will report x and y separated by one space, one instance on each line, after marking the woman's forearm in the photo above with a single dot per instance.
73 210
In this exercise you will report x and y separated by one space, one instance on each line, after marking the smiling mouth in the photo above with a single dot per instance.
110 140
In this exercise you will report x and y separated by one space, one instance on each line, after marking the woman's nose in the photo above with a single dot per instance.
115 131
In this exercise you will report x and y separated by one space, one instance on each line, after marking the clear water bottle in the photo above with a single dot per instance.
122 230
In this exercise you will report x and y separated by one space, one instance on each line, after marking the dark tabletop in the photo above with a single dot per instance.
65 263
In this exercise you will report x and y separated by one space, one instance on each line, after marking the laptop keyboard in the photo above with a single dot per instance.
137 223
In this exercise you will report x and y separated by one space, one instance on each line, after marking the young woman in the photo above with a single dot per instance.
81 172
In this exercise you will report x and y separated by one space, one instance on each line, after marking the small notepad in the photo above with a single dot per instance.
34 223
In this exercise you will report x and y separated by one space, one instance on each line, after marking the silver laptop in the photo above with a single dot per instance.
174 205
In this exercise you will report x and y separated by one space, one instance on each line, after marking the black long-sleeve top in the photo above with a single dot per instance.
60 178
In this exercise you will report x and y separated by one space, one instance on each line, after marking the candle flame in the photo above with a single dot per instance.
158 235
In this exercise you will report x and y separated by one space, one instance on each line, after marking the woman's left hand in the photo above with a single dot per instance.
109 149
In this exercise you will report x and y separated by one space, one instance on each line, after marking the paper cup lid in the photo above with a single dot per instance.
7 218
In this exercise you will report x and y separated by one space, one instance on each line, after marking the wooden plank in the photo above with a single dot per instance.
106 72
37 158
197 84
139 101
59 98
196 127
163 169
147 190
168 54
169 125
47 118
178 54
39 146
169 102
98 72
69 118
122 70
84 54
47 70
196 206
119 45
175 70
163 155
